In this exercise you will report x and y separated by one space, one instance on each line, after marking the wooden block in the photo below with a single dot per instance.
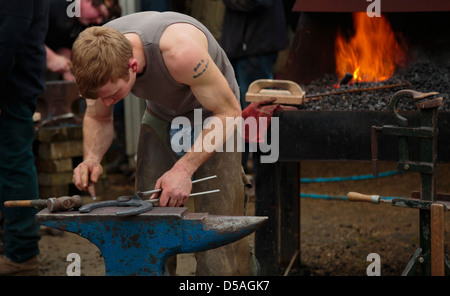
58 134
58 150
54 165
55 179
437 240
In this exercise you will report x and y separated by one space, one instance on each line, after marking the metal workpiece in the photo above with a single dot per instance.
139 206
141 244
139 201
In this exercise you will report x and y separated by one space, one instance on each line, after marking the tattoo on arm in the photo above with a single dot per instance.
200 68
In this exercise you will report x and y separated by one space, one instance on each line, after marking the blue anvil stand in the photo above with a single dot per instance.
141 244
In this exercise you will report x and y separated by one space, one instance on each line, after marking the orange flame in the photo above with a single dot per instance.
372 54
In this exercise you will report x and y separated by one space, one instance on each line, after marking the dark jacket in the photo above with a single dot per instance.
253 27
23 25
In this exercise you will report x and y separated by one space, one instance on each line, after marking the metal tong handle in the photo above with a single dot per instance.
146 193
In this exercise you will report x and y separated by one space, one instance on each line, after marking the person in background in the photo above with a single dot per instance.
23 25
253 34
210 13
63 29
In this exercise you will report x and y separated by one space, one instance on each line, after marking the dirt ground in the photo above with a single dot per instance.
336 235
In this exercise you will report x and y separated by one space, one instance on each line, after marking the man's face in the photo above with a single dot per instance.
113 92
92 15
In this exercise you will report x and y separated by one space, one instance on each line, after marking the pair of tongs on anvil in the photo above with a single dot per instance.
139 201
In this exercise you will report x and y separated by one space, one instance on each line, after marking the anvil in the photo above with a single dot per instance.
141 244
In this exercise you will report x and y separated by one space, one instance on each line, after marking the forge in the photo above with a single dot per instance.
406 47
334 121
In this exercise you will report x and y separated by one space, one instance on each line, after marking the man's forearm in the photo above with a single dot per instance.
97 137
193 159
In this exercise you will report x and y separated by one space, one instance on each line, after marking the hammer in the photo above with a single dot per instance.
53 204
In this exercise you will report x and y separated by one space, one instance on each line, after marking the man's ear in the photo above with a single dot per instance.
133 64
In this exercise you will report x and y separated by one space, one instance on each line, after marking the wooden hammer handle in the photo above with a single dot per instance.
26 203
355 196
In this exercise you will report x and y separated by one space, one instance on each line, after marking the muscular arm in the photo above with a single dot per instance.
98 130
98 133
185 53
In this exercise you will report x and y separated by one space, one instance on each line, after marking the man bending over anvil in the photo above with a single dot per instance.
175 64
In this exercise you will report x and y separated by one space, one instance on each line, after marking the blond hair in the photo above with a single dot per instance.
100 55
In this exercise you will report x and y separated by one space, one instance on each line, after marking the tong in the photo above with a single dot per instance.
136 200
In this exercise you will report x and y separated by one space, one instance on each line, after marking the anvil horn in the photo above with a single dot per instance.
216 231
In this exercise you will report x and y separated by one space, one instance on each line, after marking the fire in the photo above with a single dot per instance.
372 54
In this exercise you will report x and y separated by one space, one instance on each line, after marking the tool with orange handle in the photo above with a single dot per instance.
376 199
397 201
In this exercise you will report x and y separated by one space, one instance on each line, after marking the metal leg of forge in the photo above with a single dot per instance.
428 104
141 244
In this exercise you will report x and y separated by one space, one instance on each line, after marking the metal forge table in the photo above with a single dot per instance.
319 135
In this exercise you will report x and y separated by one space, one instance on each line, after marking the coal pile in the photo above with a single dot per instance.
422 76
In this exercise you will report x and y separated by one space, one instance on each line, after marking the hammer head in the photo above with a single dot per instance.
64 203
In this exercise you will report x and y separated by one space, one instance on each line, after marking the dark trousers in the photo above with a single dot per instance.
18 179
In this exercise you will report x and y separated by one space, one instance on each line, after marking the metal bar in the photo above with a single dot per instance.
411 267
374 148
317 97
416 166
420 132
204 179
446 265
425 241
193 182
414 203
204 192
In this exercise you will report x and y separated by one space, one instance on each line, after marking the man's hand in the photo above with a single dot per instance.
85 173
176 186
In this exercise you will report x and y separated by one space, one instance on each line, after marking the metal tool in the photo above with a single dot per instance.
397 201
427 133
53 204
136 200
141 245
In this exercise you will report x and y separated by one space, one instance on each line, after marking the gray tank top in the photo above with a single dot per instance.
164 96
